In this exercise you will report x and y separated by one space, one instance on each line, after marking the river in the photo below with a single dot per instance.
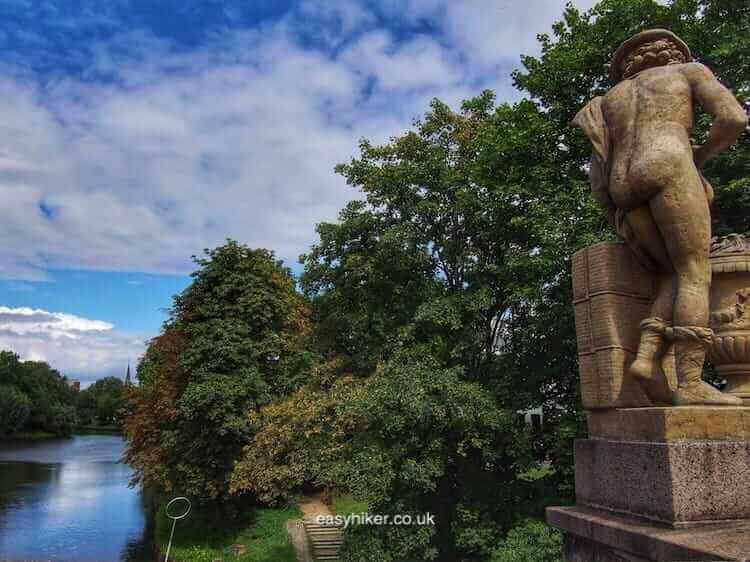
69 500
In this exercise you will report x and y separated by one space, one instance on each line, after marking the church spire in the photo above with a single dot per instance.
128 382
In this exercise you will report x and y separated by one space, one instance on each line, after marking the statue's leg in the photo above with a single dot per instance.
683 217
647 365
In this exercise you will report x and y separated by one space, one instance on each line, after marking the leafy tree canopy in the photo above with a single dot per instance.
34 397
235 339
101 402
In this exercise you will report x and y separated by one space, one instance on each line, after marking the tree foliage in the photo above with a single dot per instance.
444 282
15 408
102 402
235 339
532 541
297 441
35 397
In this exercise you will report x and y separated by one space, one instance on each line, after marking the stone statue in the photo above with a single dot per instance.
646 175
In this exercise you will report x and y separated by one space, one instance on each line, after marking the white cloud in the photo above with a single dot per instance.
417 64
493 31
24 320
180 149
153 152
78 347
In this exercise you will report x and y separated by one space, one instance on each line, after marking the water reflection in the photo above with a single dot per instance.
70 500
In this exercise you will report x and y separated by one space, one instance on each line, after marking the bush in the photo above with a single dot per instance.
532 541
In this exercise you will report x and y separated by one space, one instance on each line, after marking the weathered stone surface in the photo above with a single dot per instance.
665 425
598 534
612 293
678 484
578 549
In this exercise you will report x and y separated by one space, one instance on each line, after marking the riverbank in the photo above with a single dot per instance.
99 429
44 435
258 536
30 436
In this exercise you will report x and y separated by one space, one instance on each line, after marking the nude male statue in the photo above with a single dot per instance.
646 175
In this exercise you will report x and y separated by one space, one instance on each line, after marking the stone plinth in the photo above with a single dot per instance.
666 425
597 536
660 484
677 484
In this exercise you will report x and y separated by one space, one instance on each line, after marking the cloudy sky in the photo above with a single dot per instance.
134 134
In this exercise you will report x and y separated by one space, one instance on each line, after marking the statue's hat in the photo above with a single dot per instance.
615 71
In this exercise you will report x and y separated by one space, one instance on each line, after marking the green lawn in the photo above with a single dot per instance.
200 540
346 504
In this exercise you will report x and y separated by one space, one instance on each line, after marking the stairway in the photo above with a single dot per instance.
325 540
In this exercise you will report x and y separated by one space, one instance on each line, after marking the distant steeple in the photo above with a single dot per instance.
128 382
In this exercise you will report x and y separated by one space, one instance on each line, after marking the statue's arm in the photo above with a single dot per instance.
730 119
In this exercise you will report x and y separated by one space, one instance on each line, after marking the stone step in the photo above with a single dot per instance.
320 545
325 540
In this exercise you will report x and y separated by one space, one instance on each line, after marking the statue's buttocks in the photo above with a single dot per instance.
649 117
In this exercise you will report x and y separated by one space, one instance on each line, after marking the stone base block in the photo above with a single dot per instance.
678 484
593 535
676 423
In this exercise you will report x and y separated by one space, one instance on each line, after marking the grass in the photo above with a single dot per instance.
346 504
202 539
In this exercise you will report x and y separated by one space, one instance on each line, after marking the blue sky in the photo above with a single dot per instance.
133 134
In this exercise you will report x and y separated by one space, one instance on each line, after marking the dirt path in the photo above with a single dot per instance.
312 506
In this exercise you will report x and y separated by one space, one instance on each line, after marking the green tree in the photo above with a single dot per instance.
297 441
50 399
101 402
61 419
86 408
235 339
15 408
425 440
437 278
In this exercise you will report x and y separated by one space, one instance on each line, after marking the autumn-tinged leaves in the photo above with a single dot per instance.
236 339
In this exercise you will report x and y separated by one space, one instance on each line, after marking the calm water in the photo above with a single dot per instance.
69 500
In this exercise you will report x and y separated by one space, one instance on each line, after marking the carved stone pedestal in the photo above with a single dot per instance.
665 484
657 483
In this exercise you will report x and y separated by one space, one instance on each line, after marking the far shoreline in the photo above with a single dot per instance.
45 435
